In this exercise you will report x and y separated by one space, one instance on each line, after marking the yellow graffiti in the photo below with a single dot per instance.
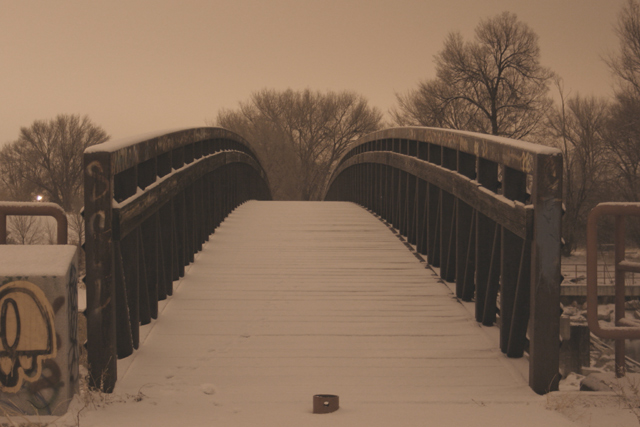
27 335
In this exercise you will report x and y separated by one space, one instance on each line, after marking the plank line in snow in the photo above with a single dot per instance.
291 299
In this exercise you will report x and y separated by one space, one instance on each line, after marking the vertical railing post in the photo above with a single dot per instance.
411 209
386 193
421 216
448 208
515 261
100 283
465 235
395 195
150 245
487 250
402 203
619 292
131 273
544 323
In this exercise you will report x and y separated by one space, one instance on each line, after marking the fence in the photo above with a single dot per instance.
577 273
486 211
623 329
150 204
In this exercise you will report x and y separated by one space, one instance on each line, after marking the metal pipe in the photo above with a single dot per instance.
33 209
619 292
621 330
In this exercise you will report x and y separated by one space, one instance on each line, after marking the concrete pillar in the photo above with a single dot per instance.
39 349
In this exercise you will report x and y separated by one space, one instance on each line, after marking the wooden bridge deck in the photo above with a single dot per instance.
292 299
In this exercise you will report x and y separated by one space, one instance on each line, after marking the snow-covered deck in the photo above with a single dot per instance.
292 299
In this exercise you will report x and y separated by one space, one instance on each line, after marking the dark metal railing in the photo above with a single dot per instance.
623 328
485 210
150 204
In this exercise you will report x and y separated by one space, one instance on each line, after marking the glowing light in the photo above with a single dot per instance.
39 198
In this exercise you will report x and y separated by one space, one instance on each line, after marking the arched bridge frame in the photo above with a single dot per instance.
487 211
150 203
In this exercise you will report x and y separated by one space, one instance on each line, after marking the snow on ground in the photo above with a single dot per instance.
288 300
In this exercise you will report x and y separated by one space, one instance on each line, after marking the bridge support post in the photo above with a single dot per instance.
101 307
39 322
544 323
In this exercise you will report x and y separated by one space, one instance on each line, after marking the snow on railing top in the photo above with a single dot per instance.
509 152
117 144
182 135
130 151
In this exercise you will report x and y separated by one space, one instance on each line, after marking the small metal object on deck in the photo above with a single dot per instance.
325 403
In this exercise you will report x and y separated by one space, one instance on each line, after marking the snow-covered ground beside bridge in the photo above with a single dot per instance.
289 300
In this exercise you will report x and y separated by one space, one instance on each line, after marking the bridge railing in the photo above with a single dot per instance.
485 210
150 204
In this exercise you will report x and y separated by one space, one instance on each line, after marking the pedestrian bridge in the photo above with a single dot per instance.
264 304
291 299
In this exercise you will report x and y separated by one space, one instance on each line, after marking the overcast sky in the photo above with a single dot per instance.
136 66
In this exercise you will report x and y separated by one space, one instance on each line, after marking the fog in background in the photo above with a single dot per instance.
135 66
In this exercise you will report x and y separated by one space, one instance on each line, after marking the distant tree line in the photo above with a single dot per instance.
491 84
496 85
300 135
46 160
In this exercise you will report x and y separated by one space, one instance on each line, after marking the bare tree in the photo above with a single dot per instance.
24 230
623 143
625 64
424 106
47 157
312 128
623 140
15 187
279 161
494 84
579 128
49 233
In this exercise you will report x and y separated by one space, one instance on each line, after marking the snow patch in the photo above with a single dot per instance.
36 260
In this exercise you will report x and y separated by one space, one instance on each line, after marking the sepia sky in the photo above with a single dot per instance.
136 66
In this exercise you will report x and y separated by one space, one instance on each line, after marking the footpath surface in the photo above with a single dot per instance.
292 299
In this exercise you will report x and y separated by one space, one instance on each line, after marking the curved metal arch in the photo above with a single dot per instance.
486 210
131 212
515 216
512 153
140 148
164 193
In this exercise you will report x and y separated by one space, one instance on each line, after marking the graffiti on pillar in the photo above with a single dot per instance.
101 187
27 335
